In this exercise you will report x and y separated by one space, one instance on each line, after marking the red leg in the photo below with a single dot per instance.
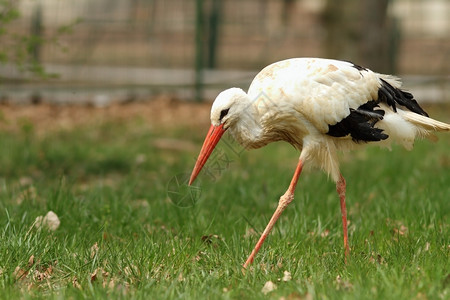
340 188
282 204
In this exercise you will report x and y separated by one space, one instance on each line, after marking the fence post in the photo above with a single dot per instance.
199 23
36 34
213 34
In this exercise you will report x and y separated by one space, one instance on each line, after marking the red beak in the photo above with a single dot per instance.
212 138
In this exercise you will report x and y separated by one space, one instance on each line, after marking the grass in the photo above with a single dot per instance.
121 236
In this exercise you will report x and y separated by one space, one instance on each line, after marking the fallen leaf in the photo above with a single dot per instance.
39 276
106 282
325 233
427 246
94 275
311 233
199 255
343 284
377 258
29 193
112 283
250 232
94 250
210 238
75 283
20 273
31 261
24 181
49 270
279 264
287 276
268 287
402 230
50 221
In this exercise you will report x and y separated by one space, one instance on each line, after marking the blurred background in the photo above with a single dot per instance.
106 51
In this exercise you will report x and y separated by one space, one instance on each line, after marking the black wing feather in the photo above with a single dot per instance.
392 96
359 124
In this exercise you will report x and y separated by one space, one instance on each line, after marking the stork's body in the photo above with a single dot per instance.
319 106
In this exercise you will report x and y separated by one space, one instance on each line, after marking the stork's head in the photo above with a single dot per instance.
227 107
225 112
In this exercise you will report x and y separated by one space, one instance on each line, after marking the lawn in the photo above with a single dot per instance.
129 228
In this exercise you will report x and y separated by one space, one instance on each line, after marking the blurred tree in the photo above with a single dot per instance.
22 49
287 11
374 36
361 31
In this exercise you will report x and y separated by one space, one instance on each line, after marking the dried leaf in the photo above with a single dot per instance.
402 230
31 261
24 181
209 239
39 276
94 250
287 276
49 270
343 284
20 273
376 258
50 221
325 233
94 275
112 283
268 287
29 193
105 281
75 283
250 232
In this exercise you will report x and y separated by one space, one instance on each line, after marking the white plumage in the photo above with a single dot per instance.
319 106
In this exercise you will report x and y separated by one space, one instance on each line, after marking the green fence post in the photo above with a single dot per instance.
213 34
199 23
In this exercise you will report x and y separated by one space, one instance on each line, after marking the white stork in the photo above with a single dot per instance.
319 106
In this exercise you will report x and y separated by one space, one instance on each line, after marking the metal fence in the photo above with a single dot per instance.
75 39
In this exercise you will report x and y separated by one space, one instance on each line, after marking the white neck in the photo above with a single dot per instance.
247 129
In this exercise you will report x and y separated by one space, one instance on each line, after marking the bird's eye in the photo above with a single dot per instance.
223 113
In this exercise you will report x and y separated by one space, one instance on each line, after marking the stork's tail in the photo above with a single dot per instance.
425 127
405 126
425 123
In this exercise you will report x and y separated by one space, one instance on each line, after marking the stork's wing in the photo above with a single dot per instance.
338 98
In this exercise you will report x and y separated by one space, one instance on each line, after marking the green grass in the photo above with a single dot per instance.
121 236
